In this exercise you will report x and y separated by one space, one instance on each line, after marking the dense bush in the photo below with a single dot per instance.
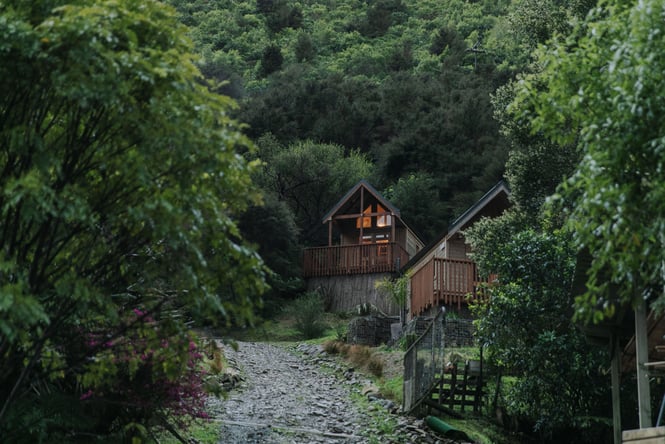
308 314
121 184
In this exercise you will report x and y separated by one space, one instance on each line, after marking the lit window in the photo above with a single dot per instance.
366 221
384 220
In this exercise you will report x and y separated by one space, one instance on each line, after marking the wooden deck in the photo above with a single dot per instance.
353 259
445 281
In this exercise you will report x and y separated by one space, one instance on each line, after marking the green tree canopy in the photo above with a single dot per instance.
310 177
119 182
603 89
526 325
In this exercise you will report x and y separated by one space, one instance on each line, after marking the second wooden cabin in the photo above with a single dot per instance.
443 274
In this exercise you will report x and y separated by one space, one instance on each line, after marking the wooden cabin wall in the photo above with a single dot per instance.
345 293
401 239
349 239
412 244
456 248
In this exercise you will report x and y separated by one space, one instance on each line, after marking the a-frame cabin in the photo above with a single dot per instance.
367 241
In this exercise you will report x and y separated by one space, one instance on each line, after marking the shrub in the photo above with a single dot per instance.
375 366
331 347
308 312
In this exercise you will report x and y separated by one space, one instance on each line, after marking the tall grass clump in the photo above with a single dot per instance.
308 315
360 356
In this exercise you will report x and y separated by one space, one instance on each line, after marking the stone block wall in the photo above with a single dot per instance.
370 330
459 333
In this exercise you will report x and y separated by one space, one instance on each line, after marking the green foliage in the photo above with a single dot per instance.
558 379
310 178
271 60
397 289
417 197
308 314
119 185
392 79
604 86
535 166
304 48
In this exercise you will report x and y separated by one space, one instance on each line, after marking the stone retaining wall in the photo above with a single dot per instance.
457 332
375 330
371 330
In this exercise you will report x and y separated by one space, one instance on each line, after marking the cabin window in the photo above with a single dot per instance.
382 238
383 220
366 221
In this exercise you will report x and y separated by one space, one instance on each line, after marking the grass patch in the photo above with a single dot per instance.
200 431
382 422
482 431
392 388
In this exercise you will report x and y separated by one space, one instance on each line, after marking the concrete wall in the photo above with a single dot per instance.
345 293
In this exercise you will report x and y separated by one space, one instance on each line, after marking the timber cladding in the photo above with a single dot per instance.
346 293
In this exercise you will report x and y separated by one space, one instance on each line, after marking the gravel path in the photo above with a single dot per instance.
301 396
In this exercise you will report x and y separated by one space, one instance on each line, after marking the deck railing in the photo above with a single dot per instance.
445 281
353 259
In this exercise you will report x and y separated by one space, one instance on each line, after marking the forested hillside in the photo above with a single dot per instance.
405 83
129 187
400 88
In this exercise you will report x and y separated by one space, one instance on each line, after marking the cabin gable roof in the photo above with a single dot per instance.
492 204
343 203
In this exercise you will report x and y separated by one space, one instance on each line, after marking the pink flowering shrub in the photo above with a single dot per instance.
148 376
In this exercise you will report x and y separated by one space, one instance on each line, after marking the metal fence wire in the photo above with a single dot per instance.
423 363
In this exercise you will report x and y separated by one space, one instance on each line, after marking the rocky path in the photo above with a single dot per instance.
301 396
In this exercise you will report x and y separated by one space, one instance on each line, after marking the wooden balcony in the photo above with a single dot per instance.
445 282
353 259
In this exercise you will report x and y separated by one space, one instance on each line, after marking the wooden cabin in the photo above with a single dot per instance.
367 241
442 274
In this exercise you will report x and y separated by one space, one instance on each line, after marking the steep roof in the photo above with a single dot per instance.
499 191
362 183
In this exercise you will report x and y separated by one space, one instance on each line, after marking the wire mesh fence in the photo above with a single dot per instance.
423 363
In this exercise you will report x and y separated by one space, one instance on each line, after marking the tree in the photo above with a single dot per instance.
272 227
119 184
310 177
271 60
417 197
604 87
559 392
536 166
304 48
